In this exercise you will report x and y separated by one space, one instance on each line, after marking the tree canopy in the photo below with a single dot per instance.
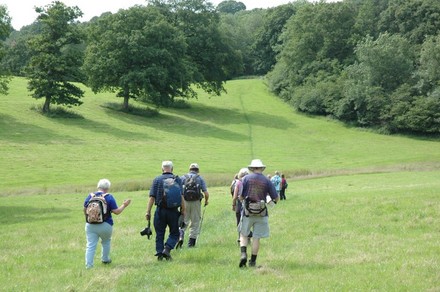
230 6
137 52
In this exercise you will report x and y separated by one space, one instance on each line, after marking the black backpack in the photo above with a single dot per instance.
234 182
191 188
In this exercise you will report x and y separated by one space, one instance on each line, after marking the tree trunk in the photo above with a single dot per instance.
46 106
126 102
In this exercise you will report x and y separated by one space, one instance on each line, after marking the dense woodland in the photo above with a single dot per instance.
368 63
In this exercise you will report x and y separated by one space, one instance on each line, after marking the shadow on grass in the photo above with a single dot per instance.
20 214
58 113
178 125
16 131
145 112
205 113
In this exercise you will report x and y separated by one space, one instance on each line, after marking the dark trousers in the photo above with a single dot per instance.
282 194
162 218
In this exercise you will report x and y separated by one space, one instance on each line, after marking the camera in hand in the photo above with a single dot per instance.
147 231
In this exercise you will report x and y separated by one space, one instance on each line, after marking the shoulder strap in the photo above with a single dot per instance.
93 195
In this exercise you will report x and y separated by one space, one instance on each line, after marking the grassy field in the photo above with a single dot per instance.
362 210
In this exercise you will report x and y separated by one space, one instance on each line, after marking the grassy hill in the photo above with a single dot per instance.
41 154
362 210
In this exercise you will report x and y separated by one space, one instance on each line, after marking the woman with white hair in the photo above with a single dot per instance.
98 208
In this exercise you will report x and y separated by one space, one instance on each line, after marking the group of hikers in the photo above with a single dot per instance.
178 207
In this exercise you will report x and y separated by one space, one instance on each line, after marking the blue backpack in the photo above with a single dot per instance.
172 193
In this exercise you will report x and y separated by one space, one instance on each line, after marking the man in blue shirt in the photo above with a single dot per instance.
164 217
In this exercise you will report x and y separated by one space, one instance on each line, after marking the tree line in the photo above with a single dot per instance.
369 63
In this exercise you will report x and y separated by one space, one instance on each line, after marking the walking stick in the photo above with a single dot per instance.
201 220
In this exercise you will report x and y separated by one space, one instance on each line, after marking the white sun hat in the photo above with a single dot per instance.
256 163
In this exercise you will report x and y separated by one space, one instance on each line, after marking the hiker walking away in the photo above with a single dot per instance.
238 189
166 194
276 180
255 216
283 187
98 209
193 187
233 183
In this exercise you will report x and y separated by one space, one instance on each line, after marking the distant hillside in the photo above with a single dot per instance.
222 134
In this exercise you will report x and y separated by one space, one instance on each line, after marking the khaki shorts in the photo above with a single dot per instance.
258 224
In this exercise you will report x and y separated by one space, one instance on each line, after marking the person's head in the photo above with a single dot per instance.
282 175
167 166
244 171
104 184
256 166
194 167
277 172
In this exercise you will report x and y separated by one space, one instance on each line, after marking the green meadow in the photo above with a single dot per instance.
362 210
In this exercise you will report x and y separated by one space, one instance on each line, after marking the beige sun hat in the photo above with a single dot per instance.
194 166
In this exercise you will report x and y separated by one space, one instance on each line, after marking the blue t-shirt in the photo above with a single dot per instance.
276 180
111 205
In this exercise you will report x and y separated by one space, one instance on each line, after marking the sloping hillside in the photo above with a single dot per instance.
221 133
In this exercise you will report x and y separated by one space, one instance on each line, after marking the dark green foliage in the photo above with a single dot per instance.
230 6
413 19
267 42
52 64
240 29
5 30
372 63
212 58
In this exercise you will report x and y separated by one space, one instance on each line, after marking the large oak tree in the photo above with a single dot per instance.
137 52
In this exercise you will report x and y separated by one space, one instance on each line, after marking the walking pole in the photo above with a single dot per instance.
201 220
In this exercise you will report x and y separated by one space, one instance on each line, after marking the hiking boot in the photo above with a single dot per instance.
252 264
159 256
107 262
243 260
181 237
192 242
166 254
